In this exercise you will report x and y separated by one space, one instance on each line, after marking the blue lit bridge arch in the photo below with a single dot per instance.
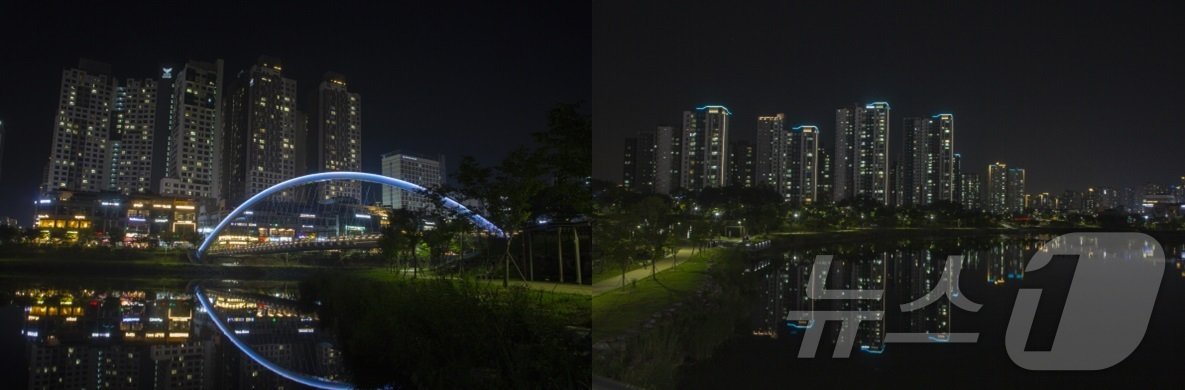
449 203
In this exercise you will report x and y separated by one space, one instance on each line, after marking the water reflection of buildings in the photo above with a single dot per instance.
785 285
783 282
135 339
1005 260
904 274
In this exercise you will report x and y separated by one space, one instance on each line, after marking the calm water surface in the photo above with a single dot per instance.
124 334
764 352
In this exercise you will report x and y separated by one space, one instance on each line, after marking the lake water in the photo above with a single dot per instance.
764 352
124 334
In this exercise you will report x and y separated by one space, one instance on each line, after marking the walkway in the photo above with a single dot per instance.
614 283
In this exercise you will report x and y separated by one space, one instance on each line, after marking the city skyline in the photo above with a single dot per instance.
1033 94
422 90
923 169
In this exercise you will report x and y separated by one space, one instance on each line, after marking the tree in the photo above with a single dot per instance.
401 236
617 240
655 220
9 234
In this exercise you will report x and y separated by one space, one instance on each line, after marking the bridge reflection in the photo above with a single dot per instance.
171 338
366 241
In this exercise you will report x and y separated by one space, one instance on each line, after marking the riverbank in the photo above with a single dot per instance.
644 332
145 266
661 328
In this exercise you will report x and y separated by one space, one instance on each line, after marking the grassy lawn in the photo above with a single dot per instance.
622 309
566 303
602 276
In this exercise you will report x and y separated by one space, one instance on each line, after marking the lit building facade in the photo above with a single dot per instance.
740 166
996 188
193 152
824 190
928 171
259 150
861 160
705 148
425 171
769 150
800 174
112 217
639 170
972 191
132 139
667 156
335 137
1015 197
80 155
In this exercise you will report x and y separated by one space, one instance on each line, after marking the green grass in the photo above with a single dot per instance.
625 308
602 276
574 306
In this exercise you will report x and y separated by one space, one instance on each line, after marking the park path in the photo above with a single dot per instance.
614 283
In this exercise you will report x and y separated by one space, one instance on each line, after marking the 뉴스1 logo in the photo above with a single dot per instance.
1106 313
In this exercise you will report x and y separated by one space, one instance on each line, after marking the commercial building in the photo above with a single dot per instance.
112 217
426 171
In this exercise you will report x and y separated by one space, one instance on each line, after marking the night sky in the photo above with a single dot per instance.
1080 95
471 79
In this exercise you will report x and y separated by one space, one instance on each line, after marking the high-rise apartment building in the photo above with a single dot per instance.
705 147
912 162
957 174
996 188
972 190
80 155
422 170
740 167
824 190
1005 189
941 130
861 160
769 150
259 149
193 146
133 136
1015 198
335 136
801 173
639 171
928 163
629 164
667 157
